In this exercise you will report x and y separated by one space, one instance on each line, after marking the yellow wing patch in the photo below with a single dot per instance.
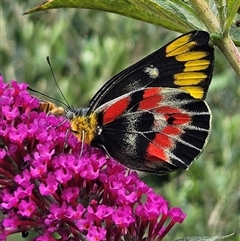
196 92
191 56
196 65
180 50
196 61
187 78
179 46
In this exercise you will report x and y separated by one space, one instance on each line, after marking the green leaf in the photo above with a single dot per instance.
232 8
159 12
205 238
235 34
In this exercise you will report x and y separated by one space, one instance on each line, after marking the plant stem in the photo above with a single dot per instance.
230 51
206 15
224 42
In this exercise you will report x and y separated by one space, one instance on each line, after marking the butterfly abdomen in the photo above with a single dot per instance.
50 108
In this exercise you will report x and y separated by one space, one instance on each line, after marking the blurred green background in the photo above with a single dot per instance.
86 49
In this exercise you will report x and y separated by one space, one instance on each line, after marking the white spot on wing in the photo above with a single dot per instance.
152 71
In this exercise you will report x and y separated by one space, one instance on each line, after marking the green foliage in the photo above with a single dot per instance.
87 47
174 15
204 238
163 13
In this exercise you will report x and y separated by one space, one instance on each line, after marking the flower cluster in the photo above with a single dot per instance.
46 185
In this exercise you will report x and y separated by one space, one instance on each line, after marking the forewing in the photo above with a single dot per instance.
185 63
154 129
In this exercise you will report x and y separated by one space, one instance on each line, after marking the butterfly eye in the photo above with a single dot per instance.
69 114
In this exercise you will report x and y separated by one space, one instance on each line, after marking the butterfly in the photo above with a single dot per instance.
50 108
152 116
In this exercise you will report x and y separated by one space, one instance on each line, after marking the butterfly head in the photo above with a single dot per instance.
72 112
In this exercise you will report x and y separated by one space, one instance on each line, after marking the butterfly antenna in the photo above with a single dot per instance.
49 97
50 65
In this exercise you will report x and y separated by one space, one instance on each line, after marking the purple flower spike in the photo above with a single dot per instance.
46 186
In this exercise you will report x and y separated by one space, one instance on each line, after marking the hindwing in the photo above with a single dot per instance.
154 129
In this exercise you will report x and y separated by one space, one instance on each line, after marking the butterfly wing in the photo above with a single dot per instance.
185 63
154 129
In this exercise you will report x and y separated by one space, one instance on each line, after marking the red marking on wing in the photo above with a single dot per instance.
115 110
154 153
161 142
181 119
171 130
167 110
155 150
151 98
175 116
